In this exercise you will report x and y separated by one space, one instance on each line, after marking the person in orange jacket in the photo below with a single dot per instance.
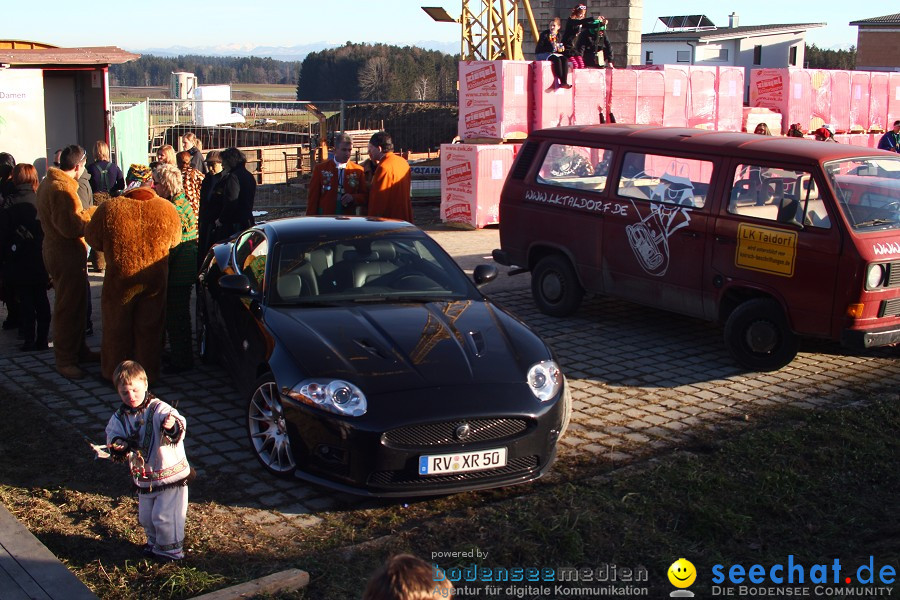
389 194
338 185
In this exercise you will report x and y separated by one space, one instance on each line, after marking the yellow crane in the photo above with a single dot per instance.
490 28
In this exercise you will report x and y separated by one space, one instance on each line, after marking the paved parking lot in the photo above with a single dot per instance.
643 381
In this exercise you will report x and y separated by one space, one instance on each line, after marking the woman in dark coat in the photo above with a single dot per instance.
210 203
21 258
238 190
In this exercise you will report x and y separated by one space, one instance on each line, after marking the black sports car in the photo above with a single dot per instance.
373 365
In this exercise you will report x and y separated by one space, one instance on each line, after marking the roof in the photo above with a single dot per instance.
23 44
41 57
330 227
705 142
893 19
728 33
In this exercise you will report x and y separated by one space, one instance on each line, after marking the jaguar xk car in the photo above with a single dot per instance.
372 364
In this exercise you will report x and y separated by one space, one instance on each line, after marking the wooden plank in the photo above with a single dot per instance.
10 588
285 581
34 568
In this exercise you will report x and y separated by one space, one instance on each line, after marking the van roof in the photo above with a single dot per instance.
706 141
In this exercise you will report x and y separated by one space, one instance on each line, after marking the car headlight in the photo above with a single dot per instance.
545 380
876 276
333 395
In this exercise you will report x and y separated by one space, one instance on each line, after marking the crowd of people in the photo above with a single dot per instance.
148 231
143 230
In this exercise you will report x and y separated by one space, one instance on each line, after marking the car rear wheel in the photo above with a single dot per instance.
555 286
267 429
758 336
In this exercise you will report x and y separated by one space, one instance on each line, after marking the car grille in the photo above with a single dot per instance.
890 308
406 479
444 434
894 274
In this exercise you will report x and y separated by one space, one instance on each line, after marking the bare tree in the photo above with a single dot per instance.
374 77
420 88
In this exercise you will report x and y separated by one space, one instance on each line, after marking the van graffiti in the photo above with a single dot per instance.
577 202
888 248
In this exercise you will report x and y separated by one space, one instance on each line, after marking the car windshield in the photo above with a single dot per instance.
868 191
383 267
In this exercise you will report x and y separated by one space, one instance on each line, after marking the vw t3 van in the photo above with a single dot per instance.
774 237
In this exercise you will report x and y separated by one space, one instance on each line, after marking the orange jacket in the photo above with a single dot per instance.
323 188
389 195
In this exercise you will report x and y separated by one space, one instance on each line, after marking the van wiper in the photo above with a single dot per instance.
873 222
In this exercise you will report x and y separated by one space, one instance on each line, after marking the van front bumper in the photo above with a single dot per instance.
859 339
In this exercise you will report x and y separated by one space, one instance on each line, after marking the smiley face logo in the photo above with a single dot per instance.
682 573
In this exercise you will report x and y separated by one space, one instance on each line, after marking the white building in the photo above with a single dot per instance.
694 40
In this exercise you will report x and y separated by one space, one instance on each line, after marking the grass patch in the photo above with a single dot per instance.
815 485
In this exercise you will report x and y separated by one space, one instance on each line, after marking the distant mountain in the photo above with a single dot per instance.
286 53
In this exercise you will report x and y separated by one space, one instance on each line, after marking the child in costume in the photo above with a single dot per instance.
149 434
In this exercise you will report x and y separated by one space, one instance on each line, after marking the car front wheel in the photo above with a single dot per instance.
555 286
758 335
267 429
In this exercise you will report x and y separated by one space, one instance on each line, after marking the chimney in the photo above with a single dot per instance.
733 20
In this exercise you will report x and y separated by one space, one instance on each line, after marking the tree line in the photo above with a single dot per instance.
822 58
156 70
378 72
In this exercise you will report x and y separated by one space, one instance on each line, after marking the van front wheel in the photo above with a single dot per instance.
758 336
555 286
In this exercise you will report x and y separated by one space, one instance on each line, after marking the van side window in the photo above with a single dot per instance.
783 195
575 167
668 179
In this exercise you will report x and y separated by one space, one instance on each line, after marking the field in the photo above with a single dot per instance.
239 91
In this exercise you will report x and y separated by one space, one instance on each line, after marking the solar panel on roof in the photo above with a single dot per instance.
687 22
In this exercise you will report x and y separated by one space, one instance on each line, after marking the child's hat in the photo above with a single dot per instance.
138 172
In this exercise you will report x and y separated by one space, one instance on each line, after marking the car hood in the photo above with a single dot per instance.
391 347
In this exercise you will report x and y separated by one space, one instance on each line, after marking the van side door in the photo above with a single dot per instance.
776 234
653 252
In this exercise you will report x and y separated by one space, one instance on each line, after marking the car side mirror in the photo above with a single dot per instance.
484 274
235 284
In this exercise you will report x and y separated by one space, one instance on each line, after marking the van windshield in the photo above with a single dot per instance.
868 191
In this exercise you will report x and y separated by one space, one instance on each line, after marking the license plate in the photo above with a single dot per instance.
462 462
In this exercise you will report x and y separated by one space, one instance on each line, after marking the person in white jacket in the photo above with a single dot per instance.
149 434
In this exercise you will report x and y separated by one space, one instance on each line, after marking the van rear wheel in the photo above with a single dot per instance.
555 286
758 336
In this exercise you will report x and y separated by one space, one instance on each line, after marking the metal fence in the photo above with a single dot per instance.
282 137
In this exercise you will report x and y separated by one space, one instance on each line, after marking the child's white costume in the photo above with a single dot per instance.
159 469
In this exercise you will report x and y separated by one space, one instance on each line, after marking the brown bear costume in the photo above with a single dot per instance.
63 219
135 232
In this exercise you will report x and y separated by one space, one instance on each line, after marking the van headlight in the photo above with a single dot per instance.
876 276
545 380
333 395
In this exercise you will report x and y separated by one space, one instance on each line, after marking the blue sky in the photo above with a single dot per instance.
139 25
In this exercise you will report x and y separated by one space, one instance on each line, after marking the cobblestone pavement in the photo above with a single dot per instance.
643 381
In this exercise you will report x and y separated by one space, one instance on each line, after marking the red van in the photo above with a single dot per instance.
774 237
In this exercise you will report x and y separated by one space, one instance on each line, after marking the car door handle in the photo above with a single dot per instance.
725 240
690 234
